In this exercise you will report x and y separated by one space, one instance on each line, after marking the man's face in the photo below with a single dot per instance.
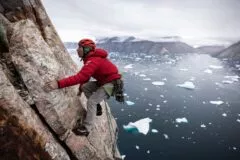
80 52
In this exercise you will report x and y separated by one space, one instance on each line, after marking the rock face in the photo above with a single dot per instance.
232 52
35 124
132 45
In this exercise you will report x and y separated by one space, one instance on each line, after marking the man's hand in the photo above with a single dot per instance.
49 86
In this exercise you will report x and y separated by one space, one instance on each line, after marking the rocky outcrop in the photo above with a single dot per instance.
132 45
35 124
232 52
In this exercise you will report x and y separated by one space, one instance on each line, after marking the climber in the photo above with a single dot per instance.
108 82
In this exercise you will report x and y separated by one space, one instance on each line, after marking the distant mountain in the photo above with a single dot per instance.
213 49
232 51
135 45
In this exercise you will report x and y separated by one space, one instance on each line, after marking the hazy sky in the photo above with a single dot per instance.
194 20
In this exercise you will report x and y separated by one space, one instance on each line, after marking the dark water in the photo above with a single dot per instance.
219 136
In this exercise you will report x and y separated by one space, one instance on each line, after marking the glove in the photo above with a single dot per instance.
52 85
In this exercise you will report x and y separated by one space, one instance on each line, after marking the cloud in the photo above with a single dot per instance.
148 18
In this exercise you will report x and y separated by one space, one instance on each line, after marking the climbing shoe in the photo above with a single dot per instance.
99 110
81 131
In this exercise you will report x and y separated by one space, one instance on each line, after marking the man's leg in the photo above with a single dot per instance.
89 87
92 102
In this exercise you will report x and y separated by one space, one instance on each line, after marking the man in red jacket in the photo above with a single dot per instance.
96 65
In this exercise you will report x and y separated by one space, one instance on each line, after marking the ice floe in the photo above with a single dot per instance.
148 151
183 69
227 82
166 136
141 125
130 103
232 78
181 120
217 102
215 67
123 157
158 83
187 85
224 115
203 125
238 120
154 131
147 79
137 147
128 66
208 71
142 75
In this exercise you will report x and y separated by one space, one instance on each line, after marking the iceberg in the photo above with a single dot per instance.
158 83
181 120
142 126
130 103
187 85
217 102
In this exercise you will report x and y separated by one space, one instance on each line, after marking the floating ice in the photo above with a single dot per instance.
181 120
148 151
217 102
233 78
164 79
130 103
187 85
227 82
137 147
141 125
123 157
154 131
162 96
145 89
150 104
158 105
224 115
165 101
158 109
147 79
128 66
215 67
238 120
203 125
192 79
166 136
183 69
142 75
158 83
208 71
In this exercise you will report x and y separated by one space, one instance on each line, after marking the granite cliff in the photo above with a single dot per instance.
35 124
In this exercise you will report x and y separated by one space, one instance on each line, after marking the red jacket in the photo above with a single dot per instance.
96 65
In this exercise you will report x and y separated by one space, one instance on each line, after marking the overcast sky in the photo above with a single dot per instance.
193 20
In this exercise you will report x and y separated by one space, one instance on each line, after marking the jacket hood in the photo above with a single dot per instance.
98 53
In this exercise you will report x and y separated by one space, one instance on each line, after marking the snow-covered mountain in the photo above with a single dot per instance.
135 45
211 49
232 51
